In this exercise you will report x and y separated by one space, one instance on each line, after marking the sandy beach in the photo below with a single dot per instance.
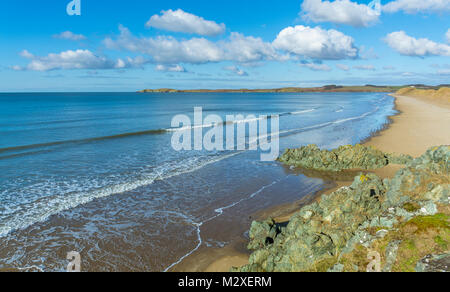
420 124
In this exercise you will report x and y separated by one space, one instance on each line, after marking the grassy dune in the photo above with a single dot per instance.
442 94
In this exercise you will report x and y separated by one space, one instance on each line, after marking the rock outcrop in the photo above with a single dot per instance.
343 158
402 220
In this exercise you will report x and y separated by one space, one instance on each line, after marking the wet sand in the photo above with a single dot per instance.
421 124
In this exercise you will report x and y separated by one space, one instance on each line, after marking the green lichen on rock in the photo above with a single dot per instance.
319 231
343 158
392 216
434 263
263 233
425 178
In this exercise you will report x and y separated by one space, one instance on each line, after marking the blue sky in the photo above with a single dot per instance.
134 44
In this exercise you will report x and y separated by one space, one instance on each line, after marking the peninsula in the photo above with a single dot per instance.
326 88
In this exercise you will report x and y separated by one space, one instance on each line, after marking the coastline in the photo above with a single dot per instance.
327 88
420 123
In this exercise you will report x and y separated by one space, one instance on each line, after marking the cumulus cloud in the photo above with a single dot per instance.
168 50
365 67
343 67
170 68
17 68
316 43
315 66
447 36
409 46
249 49
136 62
340 12
78 59
68 35
180 21
417 6
26 54
236 70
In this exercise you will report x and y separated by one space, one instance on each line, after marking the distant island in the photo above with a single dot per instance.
327 88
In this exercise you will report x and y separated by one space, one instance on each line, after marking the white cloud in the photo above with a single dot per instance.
240 48
68 35
236 70
444 72
416 6
315 66
365 67
409 46
340 12
168 50
170 68
136 62
447 36
316 43
78 59
343 67
26 54
17 68
408 74
180 21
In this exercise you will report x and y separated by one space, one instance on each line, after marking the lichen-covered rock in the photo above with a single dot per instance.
434 263
391 255
263 234
399 158
425 178
343 158
319 230
321 233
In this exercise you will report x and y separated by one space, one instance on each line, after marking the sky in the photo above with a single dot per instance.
134 44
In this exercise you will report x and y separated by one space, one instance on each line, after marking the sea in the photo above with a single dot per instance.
97 173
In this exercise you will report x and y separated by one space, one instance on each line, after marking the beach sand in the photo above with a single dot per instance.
421 124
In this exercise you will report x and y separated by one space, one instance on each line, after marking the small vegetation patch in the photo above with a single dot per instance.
424 223
411 207
324 265
441 242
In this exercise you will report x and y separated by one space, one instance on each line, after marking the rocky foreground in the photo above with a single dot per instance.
397 224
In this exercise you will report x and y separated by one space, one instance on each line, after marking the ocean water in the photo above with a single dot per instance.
96 173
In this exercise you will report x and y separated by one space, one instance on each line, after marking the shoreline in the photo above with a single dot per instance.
411 131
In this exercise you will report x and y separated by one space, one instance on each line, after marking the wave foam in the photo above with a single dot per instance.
43 208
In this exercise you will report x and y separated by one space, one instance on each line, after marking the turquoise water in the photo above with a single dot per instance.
95 173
